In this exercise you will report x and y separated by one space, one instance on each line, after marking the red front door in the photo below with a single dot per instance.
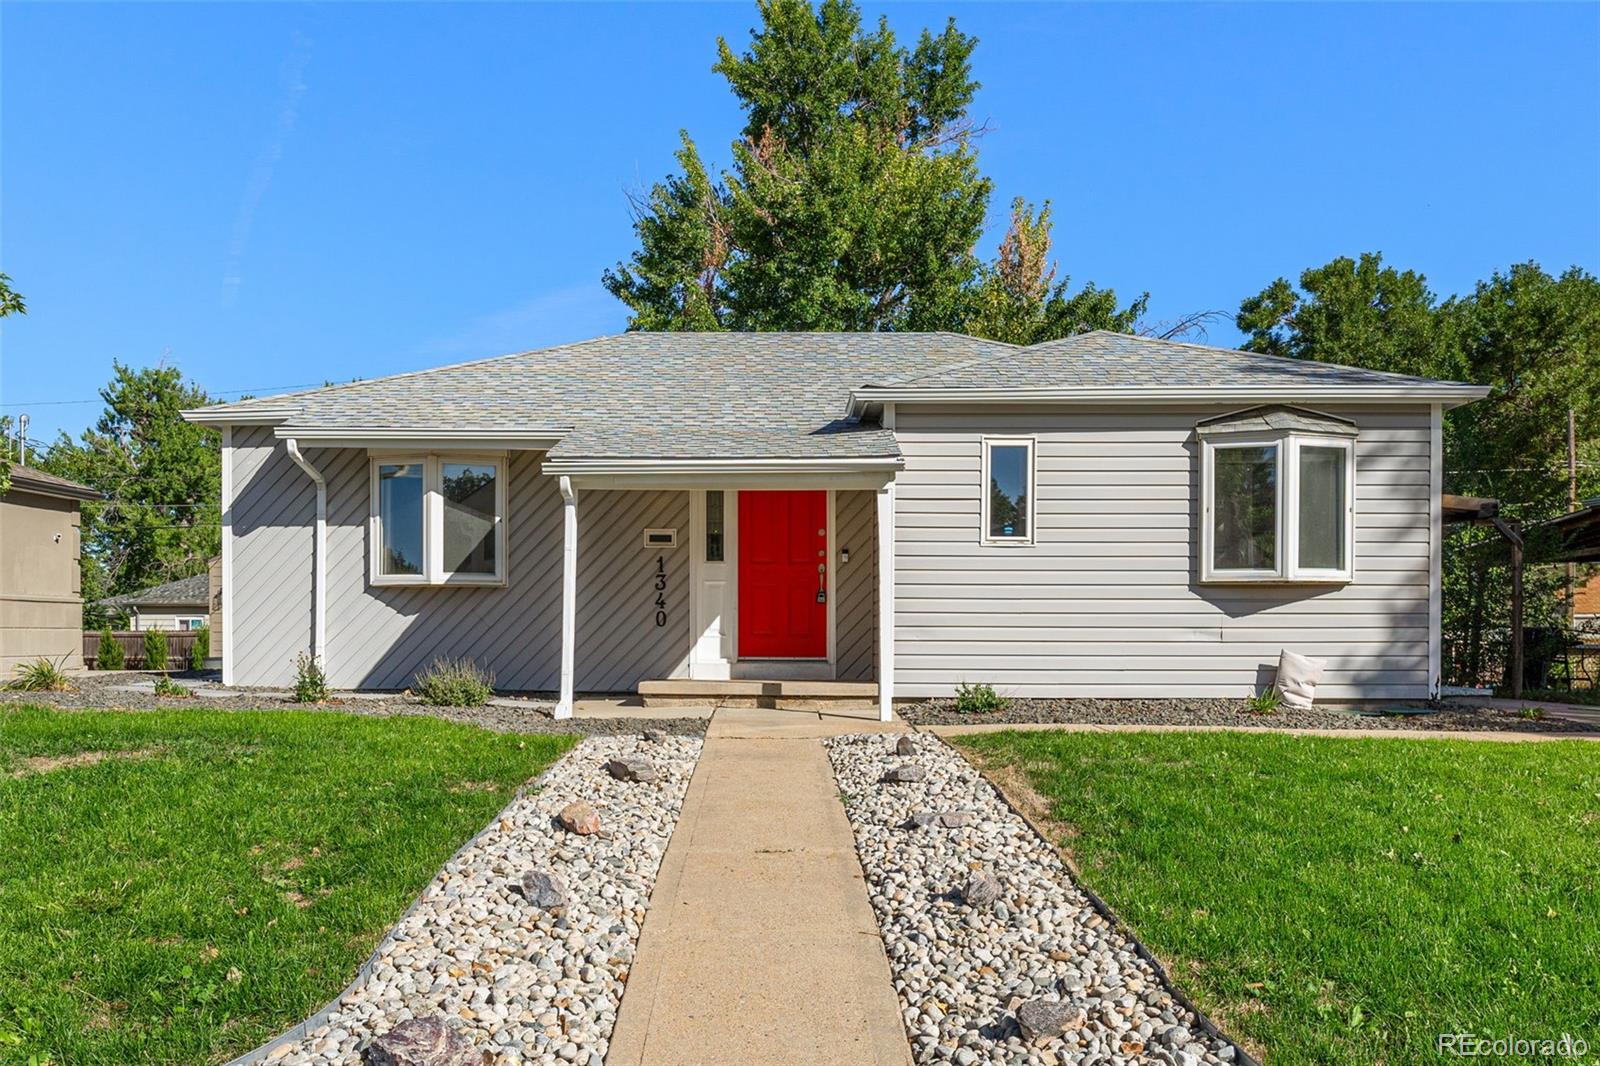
783 543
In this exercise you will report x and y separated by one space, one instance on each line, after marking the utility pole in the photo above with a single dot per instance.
22 440
1572 505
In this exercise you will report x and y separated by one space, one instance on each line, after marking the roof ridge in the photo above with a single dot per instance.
1286 360
324 390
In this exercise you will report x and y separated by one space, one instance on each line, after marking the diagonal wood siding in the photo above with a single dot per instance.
855 617
378 637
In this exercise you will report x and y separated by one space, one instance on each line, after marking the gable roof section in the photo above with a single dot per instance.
185 592
781 396
27 479
1101 360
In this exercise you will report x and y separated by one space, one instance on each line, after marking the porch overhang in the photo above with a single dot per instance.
628 473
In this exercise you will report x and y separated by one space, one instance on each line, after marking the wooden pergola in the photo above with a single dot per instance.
1480 511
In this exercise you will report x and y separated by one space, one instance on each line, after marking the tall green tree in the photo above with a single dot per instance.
1356 312
1534 339
1018 299
11 303
161 519
853 202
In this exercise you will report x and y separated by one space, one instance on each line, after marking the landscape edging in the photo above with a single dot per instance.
300 1030
1241 1056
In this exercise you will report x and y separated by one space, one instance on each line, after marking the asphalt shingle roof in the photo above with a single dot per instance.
1108 360
28 479
753 395
185 592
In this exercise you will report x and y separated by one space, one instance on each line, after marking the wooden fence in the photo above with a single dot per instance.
179 644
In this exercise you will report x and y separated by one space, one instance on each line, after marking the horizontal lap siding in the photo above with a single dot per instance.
1105 603
380 636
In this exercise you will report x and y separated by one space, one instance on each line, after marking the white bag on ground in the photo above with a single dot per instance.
1297 678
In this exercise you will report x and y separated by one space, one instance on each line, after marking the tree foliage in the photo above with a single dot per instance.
161 519
1534 338
854 199
11 303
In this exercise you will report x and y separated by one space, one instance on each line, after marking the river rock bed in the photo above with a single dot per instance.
133 690
524 983
1236 714
967 967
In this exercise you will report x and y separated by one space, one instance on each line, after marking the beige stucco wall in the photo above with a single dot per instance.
41 605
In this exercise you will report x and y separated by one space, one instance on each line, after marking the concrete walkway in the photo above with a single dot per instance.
761 946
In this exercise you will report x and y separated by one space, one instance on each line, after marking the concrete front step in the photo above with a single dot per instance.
778 695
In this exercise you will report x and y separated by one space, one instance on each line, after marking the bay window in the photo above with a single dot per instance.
1277 497
437 520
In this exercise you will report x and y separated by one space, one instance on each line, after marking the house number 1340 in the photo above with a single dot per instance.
661 590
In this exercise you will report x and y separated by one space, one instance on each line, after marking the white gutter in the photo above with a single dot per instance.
720 466
1450 394
222 414
319 576
526 437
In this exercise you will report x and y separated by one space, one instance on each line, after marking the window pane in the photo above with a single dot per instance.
1322 507
400 518
1245 490
714 527
1008 490
469 529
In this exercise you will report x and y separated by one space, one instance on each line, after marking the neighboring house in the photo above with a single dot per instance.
183 604
1586 605
1103 515
41 600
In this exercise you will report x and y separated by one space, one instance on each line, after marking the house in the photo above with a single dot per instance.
183 604
41 599
1104 515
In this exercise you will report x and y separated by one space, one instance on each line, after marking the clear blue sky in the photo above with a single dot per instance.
275 195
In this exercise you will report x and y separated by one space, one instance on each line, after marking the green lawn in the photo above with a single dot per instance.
194 881
1341 901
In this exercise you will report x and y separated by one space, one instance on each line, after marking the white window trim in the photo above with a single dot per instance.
1287 503
984 537
434 573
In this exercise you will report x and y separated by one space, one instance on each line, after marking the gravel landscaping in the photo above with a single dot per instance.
519 950
1237 714
132 690
997 956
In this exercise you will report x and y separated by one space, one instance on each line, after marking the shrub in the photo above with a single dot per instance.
155 649
165 686
1267 701
201 649
978 699
42 675
109 654
1531 714
310 683
455 683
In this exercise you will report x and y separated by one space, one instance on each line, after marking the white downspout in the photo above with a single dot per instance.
569 594
319 575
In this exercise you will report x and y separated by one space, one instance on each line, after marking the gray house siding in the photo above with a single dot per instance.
1107 601
855 617
378 637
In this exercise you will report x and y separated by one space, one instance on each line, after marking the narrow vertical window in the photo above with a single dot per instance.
1008 490
400 518
1322 508
714 526
1245 520
471 534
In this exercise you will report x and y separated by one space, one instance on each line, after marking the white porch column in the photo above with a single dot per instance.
569 593
886 603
